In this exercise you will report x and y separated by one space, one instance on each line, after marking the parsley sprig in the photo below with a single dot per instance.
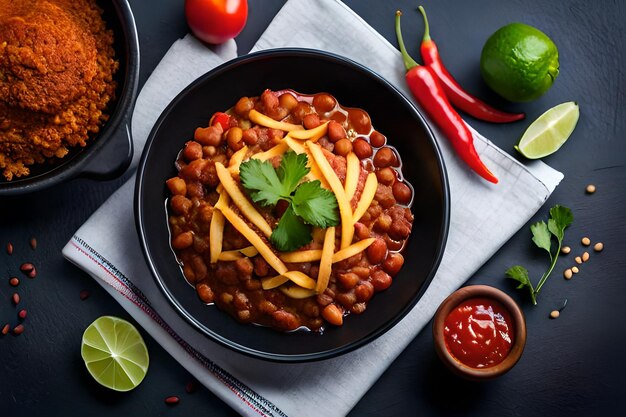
545 236
309 204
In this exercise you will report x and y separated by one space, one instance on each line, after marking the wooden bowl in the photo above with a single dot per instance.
519 332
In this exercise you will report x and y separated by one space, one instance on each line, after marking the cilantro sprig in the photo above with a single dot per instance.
309 204
545 236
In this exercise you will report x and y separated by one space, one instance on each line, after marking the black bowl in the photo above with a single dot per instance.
109 153
353 85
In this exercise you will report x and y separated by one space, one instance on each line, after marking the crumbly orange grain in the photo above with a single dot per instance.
56 79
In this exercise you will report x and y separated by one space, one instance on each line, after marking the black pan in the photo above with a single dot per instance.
109 153
353 85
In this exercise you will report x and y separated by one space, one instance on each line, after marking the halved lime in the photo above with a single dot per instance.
549 132
115 353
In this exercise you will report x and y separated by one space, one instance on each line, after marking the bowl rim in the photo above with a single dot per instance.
467 293
141 226
121 112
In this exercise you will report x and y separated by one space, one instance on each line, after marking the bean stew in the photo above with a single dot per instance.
217 230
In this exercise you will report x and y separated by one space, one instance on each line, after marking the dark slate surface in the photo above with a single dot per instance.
571 366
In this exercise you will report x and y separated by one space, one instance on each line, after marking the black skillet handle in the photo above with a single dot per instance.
114 158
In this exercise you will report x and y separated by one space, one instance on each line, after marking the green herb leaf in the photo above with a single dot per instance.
291 170
520 274
560 218
291 232
542 236
316 205
261 181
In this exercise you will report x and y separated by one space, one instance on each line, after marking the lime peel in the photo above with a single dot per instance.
549 131
115 354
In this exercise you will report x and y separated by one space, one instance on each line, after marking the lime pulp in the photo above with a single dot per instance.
550 131
115 353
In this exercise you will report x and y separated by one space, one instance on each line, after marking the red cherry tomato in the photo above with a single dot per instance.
216 21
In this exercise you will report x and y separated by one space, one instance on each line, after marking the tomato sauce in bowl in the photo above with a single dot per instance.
479 332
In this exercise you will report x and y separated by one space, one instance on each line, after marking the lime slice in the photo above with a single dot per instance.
115 353
549 132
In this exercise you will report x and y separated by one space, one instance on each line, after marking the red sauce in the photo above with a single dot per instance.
479 332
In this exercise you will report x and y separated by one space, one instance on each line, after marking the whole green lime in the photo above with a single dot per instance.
519 62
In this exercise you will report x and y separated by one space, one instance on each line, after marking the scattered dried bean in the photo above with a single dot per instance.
585 256
578 260
590 189
172 400
14 282
22 314
10 248
554 314
565 250
575 269
585 241
567 274
33 243
19 329
6 328
16 298
598 247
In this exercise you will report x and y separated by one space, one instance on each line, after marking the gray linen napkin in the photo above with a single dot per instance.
483 218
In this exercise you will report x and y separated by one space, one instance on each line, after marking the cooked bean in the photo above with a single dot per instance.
402 192
285 320
377 139
192 150
243 106
361 148
381 280
348 280
385 157
343 147
183 240
211 136
358 308
324 299
311 121
205 293
333 315
180 204
226 298
199 267
177 186
346 299
361 230
301 110
244 266
244 315
234 138
364 291
324 102
240 301
393 263
383 223
335 131
386 175
376 251
267 307
287 101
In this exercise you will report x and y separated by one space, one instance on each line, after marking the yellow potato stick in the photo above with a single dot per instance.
301 279
369 191
237 159
216 230
353 249
310 134
345 209
326 262
353 170
243 228
295 145
240 200
263 120
233 255
273 282
295 291
310 255
272 152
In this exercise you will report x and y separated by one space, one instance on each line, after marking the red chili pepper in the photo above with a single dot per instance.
222 119
426 89
456 94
